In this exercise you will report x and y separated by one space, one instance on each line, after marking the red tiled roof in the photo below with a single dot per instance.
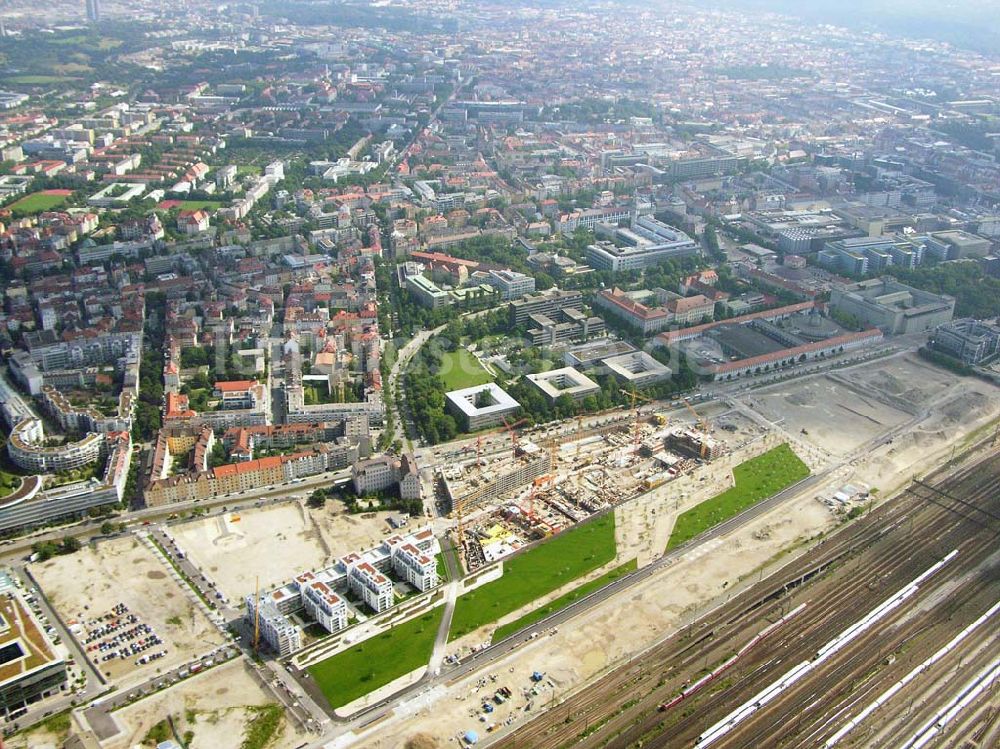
796 351
234 386
696 330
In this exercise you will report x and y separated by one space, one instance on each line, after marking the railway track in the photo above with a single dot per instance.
840 578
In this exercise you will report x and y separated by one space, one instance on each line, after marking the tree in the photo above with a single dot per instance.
317 499
107 528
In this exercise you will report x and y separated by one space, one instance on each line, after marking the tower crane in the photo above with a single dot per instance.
635 396
702 424
511 427
459 507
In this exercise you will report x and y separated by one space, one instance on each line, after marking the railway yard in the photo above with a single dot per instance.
878 637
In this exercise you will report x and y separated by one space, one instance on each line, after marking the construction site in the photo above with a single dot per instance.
793 533
542 486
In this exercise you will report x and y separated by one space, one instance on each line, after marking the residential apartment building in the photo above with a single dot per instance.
374 588
385 472
323 605
276 629
319 595
413 565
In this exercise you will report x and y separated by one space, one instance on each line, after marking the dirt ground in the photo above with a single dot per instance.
967 410
273 543
214 706
344 533
945 410
836 418
92 581
643 525
37 738
907 377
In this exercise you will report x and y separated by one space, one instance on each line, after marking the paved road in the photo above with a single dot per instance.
20 547
444 629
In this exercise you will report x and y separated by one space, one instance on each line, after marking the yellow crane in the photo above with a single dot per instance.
702 425
459 507
256 617
635 396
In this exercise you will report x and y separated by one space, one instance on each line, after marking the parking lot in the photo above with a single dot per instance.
119 633
123 575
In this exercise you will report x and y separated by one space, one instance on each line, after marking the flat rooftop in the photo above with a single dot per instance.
589 353
563 381
743 341
24 647
637 366
491 397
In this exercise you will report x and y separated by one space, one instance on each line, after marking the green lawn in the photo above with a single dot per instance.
34 80
460 369
756 479
563 601
540 570
375 662
9 483
442 568
314 395
197 205
198 398
36 203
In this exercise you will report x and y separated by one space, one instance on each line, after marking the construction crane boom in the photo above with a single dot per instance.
702 425
635 396
256 617
513 434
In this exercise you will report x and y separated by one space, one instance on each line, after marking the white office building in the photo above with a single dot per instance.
646 243
510 283
481 406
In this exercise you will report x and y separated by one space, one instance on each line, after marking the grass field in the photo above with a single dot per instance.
756 479
37 202
9 483
34 80
460 369
375 662
563 601
540 570
197 205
